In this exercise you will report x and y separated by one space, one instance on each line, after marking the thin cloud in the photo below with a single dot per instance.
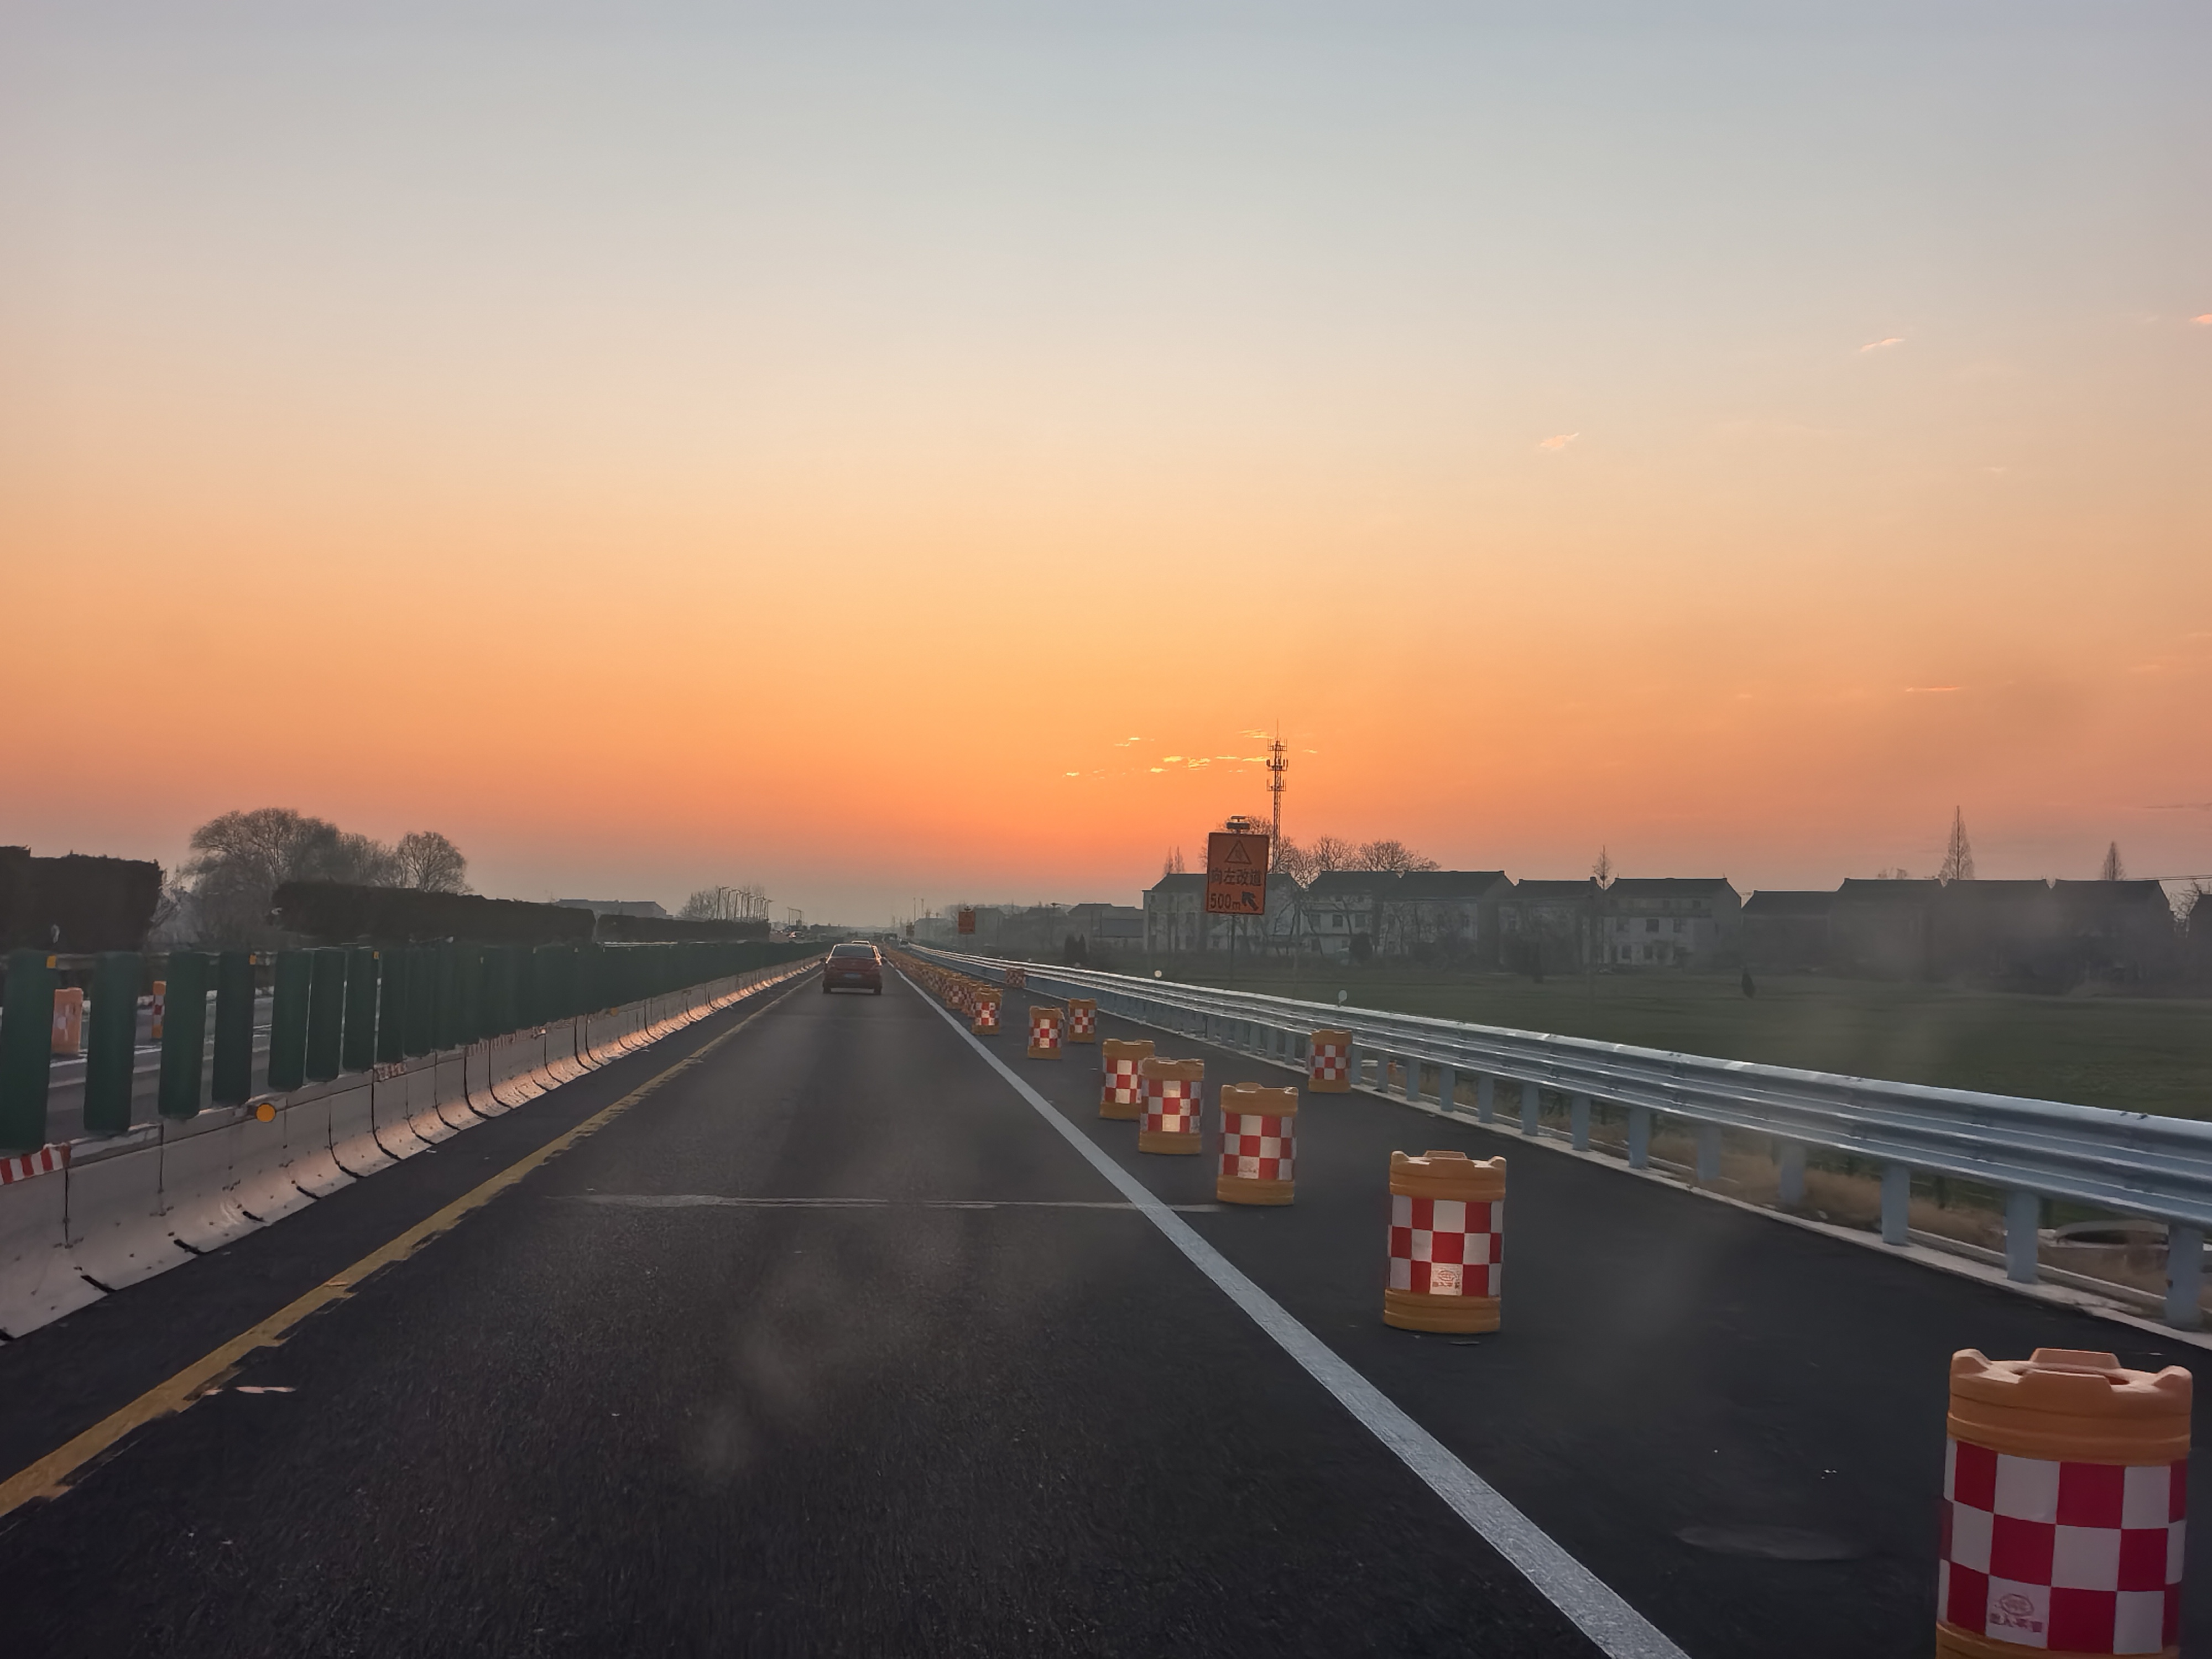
1558 442
1934 688
1881 345
2206 319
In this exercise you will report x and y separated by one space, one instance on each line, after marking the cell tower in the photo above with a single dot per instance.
1278 763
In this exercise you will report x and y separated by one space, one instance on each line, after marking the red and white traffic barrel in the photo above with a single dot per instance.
985 1023
1172 1105
1259 1150
2065 1489
1329 1063
1082 1019
1121 1091
1044 1032
1447 1243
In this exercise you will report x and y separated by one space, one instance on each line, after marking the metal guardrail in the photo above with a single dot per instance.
2131 1163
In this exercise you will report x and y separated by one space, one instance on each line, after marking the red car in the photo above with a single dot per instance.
853 967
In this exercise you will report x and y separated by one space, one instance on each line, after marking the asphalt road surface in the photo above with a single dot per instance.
833 1345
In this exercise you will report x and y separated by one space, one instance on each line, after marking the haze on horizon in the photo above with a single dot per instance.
891 451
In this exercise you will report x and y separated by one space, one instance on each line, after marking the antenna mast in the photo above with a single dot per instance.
1278 763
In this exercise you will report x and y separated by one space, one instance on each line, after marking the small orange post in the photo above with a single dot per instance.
1172 1105
1447 1243
2065 1480
69 1022
1329 1063
1259 1127
1121 1092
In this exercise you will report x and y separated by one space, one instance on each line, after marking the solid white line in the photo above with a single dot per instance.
717 1201
1588 1602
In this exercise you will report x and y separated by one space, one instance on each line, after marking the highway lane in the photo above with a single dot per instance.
839 1415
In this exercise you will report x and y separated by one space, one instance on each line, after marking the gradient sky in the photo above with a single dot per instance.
896 451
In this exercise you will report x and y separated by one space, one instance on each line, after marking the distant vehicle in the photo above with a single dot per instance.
853 967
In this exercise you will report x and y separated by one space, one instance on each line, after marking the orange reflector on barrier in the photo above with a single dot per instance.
1172 1090
1258 1127
1121 1091
1447 1243
2065 1480
68 1021
1329 1063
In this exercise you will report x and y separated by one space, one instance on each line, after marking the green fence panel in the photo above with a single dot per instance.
288 1018
358 1052
468 993
326 988
111 1048
392 962
446 1017
421 1000
26 1051
233 1028
184 1033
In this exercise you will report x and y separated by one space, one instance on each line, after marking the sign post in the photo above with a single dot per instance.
1235 881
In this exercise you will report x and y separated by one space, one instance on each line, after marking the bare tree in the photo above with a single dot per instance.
1294 861
239 859
724 903
427 860
1333 852
1958 855
1393 856
1601 871
1897 873
1172 865
2113 870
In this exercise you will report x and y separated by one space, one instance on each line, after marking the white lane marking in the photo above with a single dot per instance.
1592 1605
716 1200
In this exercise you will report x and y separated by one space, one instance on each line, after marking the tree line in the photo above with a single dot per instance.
219 898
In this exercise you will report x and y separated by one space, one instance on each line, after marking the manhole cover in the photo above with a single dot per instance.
1771 1543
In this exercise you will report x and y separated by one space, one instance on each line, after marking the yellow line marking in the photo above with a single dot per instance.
48 1477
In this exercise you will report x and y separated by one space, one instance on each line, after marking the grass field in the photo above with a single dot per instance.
2134 1053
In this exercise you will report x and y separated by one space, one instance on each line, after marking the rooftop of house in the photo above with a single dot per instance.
1670 887
1527 890
1783 902
1449 884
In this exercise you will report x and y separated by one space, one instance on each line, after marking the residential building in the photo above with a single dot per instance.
1880 927
1341 906
1442 914
1785 930
1547 926
1668 921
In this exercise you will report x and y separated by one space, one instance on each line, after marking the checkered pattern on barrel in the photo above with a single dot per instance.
1256 1147
2078 1557
1446 1246
1044 1027
1122 1084
1329 1062
1082 1020
987 1014
1172 1106
1017 977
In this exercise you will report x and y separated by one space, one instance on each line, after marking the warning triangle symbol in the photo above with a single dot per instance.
1236 853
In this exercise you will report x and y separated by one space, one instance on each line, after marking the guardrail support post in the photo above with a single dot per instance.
1486 1098
1789 1171
1896 1203
1708 1153
1639 1137
2185 1276
1579 1117
1447 1088
1412 1079
2023 1215
1531 1108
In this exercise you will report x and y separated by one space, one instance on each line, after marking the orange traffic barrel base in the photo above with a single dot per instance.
1172 1103
1447 1243
1259 1129
1121 1091
2065 1483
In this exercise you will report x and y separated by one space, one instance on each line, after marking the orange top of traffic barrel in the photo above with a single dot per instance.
1448 1175
1335 1039
1259 1100
1114 1048
1171 1071
2063 1405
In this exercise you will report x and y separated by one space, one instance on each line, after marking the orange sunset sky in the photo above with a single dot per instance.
894 451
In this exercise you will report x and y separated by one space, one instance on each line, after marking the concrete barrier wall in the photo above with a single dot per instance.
79 1222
